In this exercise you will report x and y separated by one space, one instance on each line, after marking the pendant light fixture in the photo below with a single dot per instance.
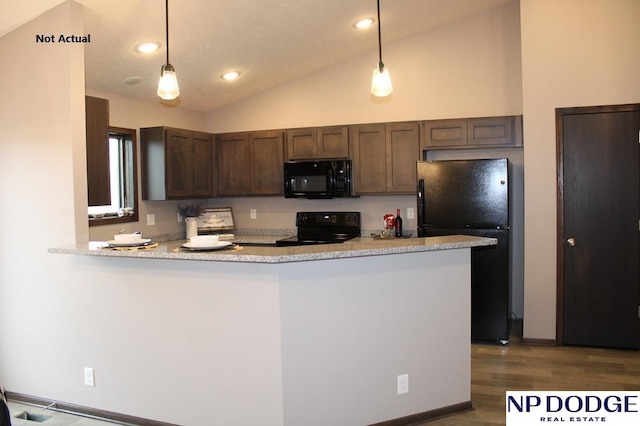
168 85
381 82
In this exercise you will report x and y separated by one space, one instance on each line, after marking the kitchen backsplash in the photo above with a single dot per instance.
271 214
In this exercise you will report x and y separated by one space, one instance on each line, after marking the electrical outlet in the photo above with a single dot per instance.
403 384
89 377
253 214
151 219
410 213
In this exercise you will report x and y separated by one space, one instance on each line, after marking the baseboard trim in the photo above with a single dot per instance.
139 421
83 411
538 342
428 415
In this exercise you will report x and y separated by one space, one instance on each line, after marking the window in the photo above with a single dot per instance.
123 180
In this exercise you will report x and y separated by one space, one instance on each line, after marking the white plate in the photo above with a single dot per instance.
142 242
214 246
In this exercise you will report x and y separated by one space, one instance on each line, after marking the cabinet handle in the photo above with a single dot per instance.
571 241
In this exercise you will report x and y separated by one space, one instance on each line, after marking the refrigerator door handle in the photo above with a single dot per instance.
420 204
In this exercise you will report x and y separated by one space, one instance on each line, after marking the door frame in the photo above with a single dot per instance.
560 243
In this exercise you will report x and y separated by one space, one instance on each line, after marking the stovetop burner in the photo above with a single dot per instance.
324 228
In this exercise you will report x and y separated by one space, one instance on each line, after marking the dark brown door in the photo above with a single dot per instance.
598 235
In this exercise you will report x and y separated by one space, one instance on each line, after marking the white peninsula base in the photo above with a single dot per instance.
351 327
274 337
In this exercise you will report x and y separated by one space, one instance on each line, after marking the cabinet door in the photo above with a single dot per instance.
203 165
233 164
302 144
266 160
179 163
444 134
368 151
333 142
97 132
402 153
493 131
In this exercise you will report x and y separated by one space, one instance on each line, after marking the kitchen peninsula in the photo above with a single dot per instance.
311 335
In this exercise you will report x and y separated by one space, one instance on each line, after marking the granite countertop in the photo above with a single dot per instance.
358 247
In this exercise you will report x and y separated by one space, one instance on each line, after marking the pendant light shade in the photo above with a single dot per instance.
168 85
381 82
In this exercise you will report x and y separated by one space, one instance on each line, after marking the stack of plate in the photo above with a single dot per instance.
129 240
206 242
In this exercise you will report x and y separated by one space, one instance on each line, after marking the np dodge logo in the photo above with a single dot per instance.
537 408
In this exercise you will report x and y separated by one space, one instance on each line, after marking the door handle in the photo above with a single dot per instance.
571 241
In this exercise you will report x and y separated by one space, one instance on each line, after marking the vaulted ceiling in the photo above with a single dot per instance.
268 41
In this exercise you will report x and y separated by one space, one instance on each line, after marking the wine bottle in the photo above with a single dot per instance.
398 224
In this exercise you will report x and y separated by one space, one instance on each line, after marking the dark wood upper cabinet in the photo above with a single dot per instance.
384 157
302 144
97 133
233 164
250 163
402 153
266 161
204 161
317 143
493 131
176 164
444 133
487 132
368 153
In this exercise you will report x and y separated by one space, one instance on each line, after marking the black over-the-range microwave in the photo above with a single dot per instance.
317 179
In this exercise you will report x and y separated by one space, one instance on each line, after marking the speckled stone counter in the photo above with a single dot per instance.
359 247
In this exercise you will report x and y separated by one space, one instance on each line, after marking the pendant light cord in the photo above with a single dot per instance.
166 26
380 64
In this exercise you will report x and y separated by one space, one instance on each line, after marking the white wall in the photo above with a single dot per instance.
574 53
43 181
468 68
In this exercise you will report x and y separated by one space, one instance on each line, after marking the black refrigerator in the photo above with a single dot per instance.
471 197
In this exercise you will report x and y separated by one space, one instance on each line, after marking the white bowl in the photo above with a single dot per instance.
204 240
127 238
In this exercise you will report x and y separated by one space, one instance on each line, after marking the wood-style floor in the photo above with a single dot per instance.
496 369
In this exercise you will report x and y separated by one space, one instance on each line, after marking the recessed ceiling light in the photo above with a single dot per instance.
230 76
363 23
148 47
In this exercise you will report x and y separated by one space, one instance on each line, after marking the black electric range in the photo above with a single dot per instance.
323 228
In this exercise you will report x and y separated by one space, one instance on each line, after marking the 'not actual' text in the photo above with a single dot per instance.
63 38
